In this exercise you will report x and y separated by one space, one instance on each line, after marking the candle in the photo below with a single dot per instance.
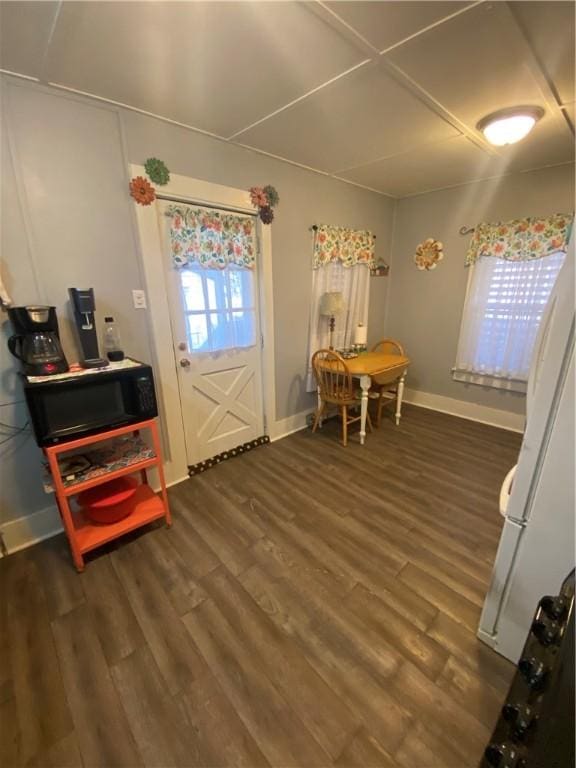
360 334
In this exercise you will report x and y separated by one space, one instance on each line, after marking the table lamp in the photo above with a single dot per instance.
332 304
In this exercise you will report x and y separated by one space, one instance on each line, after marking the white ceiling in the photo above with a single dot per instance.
382 94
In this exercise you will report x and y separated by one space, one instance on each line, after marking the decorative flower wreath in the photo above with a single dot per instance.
141 189
265 199
428 254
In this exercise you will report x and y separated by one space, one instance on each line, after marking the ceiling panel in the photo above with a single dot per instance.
217 66
549 28
444 164
385 23
473 64
24 33
360 117
550 143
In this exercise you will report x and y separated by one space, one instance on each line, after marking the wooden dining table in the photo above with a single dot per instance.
382 365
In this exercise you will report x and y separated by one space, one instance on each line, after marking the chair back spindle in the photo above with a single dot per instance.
332 376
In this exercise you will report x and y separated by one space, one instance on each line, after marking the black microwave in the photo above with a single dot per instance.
81 403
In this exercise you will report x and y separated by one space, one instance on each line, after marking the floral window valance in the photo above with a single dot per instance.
350 246
520 239
212 239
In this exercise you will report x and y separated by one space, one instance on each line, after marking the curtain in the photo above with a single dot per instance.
354 284
340 244
210 238
520 239
503 309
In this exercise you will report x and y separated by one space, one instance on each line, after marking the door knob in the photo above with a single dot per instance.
185 363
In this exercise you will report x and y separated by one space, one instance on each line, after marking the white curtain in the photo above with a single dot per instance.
354 284
504 305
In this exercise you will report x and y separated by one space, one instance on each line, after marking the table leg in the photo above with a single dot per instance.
399 398
319 406
365 385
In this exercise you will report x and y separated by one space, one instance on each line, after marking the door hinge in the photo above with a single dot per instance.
261 341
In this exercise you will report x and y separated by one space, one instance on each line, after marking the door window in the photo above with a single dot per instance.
219 307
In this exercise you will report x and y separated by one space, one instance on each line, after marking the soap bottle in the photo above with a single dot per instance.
111 341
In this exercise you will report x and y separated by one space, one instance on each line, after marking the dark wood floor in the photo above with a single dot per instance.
312 606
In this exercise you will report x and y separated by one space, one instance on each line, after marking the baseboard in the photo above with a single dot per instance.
514 422
27 530
289 425
30 529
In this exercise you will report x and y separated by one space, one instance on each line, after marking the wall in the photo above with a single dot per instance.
425 308
306 198
68 221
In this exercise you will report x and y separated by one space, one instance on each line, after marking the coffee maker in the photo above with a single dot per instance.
84 306
36 342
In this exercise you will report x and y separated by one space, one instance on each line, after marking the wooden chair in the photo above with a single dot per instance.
385 384
335 387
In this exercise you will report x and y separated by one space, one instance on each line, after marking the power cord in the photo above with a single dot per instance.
16 431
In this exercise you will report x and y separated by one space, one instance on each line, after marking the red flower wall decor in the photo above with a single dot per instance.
142 191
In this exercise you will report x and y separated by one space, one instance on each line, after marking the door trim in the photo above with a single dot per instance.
205 193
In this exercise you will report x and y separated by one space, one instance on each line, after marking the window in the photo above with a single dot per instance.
219 307
354 283
503 309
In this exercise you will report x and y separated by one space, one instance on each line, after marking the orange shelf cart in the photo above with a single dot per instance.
84 535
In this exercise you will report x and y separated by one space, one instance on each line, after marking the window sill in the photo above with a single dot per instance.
486 380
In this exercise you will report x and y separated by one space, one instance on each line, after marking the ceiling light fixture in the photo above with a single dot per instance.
507 126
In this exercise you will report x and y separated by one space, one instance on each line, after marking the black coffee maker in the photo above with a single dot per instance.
36 342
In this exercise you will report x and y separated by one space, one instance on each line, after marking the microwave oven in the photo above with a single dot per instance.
81 403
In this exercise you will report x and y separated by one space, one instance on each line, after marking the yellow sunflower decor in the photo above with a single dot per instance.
428 254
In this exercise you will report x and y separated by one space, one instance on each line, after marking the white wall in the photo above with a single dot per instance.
68 221
425 308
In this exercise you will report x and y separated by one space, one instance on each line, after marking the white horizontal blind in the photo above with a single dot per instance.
504 307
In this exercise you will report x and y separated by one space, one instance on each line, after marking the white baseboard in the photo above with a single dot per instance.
495 417
27 530
30 529
289 425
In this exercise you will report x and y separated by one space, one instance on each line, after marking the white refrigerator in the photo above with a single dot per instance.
537 501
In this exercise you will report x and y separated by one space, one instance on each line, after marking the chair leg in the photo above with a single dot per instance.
344 426
369 423
319 412
379 411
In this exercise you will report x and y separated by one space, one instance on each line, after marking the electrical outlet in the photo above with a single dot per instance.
139 299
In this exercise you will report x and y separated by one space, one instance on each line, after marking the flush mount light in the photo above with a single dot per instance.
507 126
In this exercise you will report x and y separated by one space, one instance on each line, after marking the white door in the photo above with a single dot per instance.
215 317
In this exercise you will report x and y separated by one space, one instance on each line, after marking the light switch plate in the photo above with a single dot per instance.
139 299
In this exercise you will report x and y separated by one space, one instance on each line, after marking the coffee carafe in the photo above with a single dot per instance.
36 342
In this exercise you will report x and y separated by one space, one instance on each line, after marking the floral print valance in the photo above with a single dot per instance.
350 246
211 239
520 239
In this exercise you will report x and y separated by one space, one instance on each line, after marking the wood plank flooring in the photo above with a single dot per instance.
311 606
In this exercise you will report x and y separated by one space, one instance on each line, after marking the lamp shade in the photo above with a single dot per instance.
332 304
